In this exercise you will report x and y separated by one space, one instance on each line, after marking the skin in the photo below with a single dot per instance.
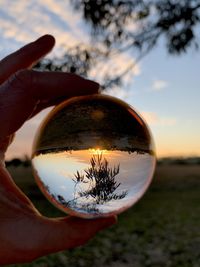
24 233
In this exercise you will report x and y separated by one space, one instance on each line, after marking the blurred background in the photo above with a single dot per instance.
146 53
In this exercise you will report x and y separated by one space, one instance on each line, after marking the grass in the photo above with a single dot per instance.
162 229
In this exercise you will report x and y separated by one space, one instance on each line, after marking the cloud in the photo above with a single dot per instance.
23 21
159 85
115 65
121 93
153 118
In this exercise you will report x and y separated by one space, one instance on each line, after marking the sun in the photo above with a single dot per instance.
98 151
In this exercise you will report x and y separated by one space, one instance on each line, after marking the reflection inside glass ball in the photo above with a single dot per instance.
93 156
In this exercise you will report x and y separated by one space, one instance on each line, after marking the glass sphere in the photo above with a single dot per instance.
93 156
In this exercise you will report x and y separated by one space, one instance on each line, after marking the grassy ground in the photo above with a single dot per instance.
162 229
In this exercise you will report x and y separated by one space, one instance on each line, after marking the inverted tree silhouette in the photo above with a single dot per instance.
101 179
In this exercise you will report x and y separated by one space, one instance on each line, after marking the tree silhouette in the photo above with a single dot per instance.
101 179
119 27
111 22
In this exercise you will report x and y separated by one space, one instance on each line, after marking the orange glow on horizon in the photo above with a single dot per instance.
98 151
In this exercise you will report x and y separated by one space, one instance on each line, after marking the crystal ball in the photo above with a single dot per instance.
93 156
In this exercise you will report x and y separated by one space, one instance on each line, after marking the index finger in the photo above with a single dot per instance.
20 95
25 57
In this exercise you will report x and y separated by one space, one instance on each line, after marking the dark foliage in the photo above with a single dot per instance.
134 26
16 162
77 60
139 24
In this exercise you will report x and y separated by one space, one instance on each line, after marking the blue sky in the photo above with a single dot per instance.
164 89
176 104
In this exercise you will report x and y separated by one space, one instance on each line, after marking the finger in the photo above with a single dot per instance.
26 56
71 232
20 95
46 85
11 197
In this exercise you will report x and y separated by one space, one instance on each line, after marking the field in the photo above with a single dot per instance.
162 229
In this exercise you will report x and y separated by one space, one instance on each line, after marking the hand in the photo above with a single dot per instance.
24 233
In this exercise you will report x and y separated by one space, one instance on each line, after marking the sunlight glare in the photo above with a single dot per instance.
98 151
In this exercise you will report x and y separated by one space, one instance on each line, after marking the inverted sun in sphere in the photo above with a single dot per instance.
93 156
97 151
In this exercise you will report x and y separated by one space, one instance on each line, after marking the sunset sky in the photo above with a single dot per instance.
164 89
